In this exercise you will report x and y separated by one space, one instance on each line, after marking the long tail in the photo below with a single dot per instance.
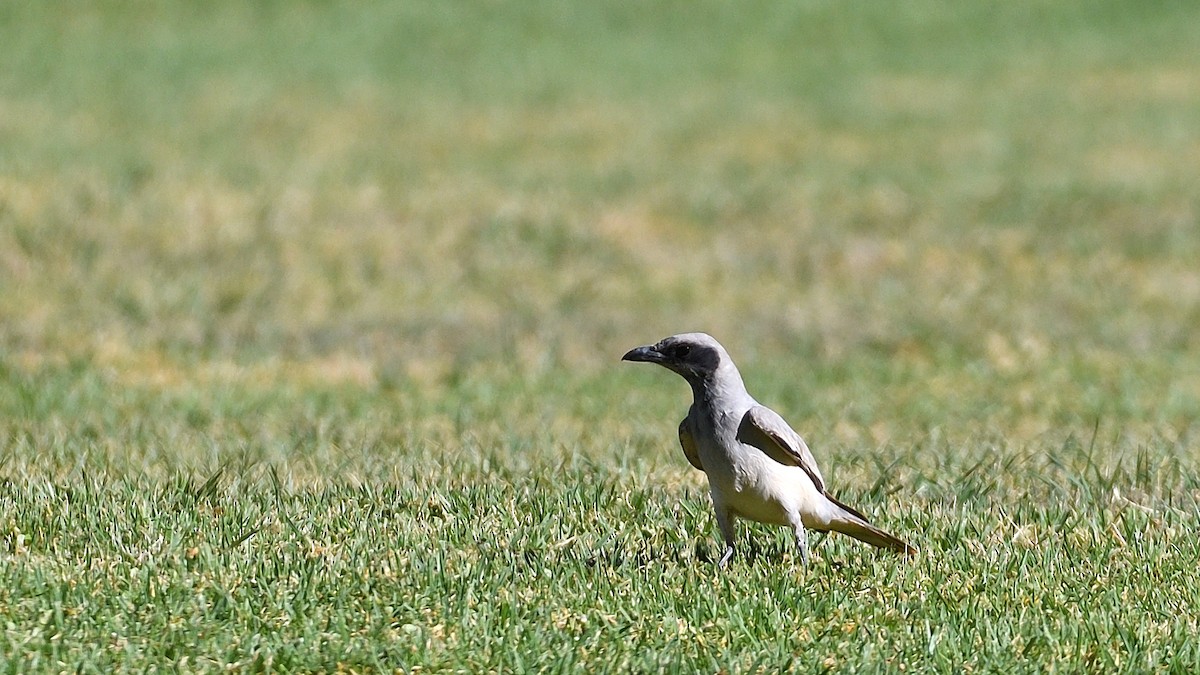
855 524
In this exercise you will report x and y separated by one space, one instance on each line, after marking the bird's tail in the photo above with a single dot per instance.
855 524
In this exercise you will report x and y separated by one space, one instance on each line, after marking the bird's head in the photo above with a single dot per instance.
695 356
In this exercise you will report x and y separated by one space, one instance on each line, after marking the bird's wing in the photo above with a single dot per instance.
764 429
688 443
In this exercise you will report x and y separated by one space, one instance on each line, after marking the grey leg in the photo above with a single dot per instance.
725 557
725 521
802 543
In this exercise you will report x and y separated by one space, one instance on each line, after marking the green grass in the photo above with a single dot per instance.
311 312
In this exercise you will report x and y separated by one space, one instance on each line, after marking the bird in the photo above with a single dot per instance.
758 468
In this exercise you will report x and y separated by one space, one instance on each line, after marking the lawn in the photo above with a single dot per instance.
311 317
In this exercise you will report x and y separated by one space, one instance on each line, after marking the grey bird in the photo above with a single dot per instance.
758 468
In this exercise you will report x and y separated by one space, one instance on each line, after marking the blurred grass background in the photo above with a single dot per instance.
974 220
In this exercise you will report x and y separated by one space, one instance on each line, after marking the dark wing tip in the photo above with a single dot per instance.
846 507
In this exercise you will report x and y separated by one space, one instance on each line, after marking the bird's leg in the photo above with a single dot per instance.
725 557
802 543
725 522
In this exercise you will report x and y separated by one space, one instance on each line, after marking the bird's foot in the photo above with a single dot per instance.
802 545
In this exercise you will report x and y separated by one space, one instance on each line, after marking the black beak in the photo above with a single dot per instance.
648 354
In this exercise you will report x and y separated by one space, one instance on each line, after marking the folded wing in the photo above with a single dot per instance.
688 443
764 429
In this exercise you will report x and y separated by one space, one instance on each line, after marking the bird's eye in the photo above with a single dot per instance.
682 351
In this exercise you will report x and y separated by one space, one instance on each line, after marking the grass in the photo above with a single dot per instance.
312 315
